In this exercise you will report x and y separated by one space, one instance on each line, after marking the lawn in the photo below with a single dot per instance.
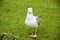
13 14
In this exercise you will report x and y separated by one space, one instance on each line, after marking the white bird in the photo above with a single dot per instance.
32 21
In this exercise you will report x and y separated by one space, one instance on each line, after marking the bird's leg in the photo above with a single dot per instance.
35 32
31 31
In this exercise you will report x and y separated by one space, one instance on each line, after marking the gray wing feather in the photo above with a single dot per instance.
37 19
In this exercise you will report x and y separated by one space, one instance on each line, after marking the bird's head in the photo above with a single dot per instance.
30 10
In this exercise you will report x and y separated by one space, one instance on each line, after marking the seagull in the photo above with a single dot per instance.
32 21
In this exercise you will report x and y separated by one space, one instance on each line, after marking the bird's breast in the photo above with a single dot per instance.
31 23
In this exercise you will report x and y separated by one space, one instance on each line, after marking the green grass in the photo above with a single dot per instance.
13 13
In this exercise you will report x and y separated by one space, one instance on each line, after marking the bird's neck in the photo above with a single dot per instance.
30 15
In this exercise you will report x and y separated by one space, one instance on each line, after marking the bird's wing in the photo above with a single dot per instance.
37 19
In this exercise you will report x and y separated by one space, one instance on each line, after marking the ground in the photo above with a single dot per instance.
13 14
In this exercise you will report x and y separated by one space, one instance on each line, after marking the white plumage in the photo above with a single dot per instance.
32 21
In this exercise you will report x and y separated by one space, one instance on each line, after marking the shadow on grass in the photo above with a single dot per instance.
58 34
1 2
58 2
